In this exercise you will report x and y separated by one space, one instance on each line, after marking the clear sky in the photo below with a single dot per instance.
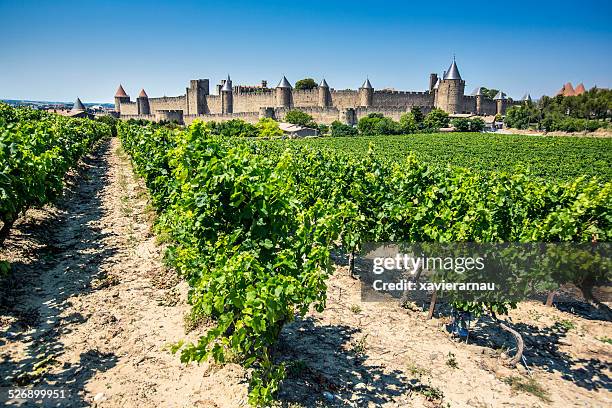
58 50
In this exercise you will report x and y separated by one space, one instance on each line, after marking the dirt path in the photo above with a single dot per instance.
90 306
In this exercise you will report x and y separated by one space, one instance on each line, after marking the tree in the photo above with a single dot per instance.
468 125
412 122
408 123
235 127
339 129
417 114
378 124
436 119
268 127
305 84
477 125
297 117
489 93
323 129
461 124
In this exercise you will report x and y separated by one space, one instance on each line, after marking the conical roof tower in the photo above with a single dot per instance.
78 106
283 83
227 86
120 92
453 71
478 92
367 84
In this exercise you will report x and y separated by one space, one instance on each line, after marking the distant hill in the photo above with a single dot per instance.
25 102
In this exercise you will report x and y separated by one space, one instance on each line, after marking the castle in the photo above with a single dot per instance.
324 104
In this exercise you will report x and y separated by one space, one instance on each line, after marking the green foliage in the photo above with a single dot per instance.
461 124
489 93
339 129
436 119
268 127
323 129
111 121
36 151
468 124
527 385
377 124
305 84
586 112
413 121
477 125
552 158
253 222
234 128
297 117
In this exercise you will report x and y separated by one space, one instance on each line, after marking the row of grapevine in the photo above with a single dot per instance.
553 158
253 224
36 151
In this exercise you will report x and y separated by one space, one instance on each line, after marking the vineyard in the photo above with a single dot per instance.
554 158
253 225
263 235
36 150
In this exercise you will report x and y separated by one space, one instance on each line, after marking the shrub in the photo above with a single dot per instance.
234 127
339 129
268 127
297 117
377 124
477 125
461 124
436 119
468 125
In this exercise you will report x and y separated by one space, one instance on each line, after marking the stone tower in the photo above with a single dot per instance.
433 80
143 103
227 97
324 94
283 93
366 94
435 90
479 95
196 97
500 102
450 91
120 97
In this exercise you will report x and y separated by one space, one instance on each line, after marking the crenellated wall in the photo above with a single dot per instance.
346 98
250 117
401 98
129 108
250 102
168 103
348 105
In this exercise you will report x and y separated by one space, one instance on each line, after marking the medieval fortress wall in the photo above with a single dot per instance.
324 104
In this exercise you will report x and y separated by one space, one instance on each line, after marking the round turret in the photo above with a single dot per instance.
120 97
227 97
366 94
283 93
450 91
143 103
479 95
500 102
324 95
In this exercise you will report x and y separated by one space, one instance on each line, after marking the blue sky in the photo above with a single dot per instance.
57 50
